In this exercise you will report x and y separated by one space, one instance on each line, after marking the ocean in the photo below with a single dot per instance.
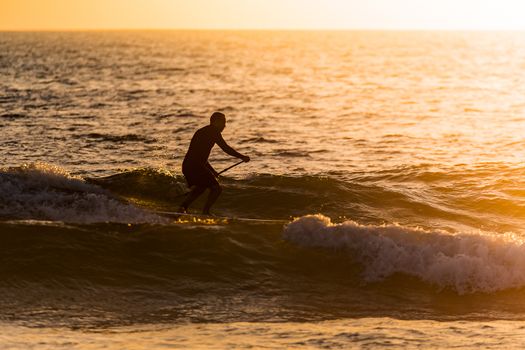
391 164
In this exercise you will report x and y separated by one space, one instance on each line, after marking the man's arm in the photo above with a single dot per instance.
226 148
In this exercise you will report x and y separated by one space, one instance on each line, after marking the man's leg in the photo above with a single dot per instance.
194 194
215 192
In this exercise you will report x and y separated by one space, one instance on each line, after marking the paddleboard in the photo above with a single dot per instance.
189 217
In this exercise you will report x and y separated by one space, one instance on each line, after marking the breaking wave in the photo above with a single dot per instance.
464 262
46 192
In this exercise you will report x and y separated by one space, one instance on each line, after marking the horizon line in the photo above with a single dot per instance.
267 29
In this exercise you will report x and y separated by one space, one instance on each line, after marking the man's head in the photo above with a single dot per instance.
218 120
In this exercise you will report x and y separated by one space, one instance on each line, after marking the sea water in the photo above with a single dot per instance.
396 158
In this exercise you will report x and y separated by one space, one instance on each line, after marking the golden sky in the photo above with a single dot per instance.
262 14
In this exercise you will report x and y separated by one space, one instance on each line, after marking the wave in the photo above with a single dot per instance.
259 196
309 255
465 262
13 116
258 140
45 192
292 153
120 138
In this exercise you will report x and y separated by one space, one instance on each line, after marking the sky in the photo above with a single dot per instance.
262 14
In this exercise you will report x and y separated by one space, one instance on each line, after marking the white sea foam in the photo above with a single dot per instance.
465 262
43 191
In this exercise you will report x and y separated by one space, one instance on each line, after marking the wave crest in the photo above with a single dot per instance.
465 262
45 192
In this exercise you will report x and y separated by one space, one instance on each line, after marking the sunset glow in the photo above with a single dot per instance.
262 14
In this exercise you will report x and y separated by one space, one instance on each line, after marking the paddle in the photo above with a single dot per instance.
231 166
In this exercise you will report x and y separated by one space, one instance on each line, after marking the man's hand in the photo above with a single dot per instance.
245 159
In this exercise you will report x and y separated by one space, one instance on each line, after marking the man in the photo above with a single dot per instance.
199 174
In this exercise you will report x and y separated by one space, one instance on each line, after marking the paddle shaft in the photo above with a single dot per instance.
231 166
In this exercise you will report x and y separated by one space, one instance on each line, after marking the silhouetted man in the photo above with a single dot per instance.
199 174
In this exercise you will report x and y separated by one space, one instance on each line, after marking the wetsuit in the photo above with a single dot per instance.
195 166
